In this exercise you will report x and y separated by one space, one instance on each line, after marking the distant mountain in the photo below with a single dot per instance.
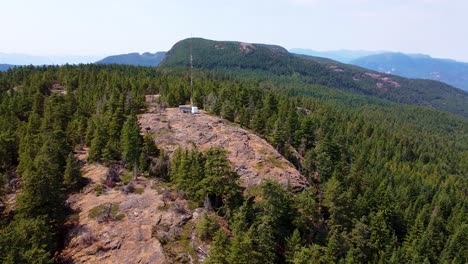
145 59
418 66
344 56
296 70
5 67
26 59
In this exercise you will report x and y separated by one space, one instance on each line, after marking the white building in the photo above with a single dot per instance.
188 109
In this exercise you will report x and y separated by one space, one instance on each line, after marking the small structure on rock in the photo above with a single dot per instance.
188 109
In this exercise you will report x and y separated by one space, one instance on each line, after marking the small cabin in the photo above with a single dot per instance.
188 109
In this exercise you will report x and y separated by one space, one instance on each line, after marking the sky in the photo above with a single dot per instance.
104 27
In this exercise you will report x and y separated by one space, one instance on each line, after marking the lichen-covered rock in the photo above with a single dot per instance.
251 156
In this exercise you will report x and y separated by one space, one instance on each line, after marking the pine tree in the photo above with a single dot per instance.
276 204
98 144
72 176
148 151
42 193
242 250
265 242
328 156
27 240
131 141
219 251
206 227
293 245
219 183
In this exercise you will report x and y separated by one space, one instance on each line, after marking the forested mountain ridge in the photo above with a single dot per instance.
387 182
300 69
4 67
136 59
424 67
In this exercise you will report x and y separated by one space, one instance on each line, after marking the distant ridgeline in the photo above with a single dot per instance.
4 67
145 59
418 66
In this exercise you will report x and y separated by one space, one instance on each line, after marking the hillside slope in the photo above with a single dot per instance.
136 59
299 69
425 67
385 181
111 239
149 226
252 157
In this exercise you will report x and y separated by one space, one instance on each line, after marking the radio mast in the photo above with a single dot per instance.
191 74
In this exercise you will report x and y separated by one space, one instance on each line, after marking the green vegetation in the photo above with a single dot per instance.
206 227
106 211
139 190
299 72
38 131
99 189
387 181
206 177
72 178
131 141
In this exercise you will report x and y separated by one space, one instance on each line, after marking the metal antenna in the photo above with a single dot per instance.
191 74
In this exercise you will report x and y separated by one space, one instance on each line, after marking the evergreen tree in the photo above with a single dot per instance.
131 141
149 150
293 245
242 250
265 242
219 184
98 144
219 251
28 240
206 227
41 193
72 176
313 253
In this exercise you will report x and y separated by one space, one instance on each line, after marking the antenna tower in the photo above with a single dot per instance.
191 74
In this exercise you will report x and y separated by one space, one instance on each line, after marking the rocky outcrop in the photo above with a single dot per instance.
144 221
127 237
251 156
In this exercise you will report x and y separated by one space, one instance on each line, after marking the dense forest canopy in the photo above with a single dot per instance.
300 70
387 182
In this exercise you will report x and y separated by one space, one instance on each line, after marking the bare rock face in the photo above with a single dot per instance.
155 224
171 221
126 237
251 156
123 226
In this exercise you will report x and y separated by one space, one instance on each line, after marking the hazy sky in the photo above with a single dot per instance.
99 27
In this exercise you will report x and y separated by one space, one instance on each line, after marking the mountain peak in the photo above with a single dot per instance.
228 51
273 60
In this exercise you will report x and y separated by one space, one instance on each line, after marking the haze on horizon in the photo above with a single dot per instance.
54 27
